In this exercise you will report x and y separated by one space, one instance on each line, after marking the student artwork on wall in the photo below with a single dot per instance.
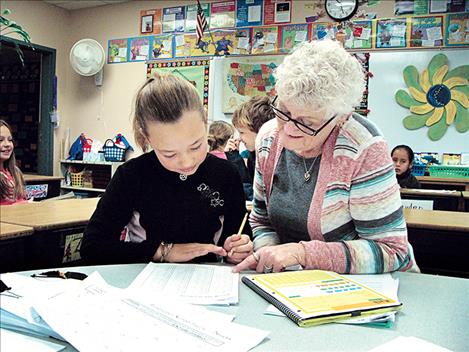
277 11
191 16
390 33
222 14
425 31
117 51
139 49
194 71
174 19
292 35
437 97
150 21
457 29
249 13
247 77
214 43
161 47
358 35
265 40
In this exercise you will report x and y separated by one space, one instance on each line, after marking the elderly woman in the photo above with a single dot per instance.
325 191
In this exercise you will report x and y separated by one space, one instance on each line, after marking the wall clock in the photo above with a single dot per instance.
341 10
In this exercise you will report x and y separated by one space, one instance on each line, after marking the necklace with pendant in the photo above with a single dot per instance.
307 175
182 177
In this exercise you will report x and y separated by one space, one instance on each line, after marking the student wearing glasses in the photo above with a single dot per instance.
325 190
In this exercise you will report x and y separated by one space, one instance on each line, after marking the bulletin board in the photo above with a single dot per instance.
387 78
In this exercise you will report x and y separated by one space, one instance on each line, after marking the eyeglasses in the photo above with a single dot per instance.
300 125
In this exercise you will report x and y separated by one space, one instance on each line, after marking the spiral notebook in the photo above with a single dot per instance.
313 297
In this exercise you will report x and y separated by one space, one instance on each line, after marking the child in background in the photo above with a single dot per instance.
223 145
403 158
248 119
11 177
182 203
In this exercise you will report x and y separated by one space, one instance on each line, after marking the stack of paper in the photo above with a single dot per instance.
196 284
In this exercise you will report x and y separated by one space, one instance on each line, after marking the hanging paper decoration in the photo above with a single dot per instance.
437 99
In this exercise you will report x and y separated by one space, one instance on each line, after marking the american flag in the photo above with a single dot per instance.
201 22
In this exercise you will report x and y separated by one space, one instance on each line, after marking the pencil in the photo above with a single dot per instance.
240 229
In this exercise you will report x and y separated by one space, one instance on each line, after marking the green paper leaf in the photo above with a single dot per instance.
460 71
411 77
462 89
435 63
438 130
404 99
6 12
414 122
461 121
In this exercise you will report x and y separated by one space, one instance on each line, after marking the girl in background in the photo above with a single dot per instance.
403 158
181 203
11 177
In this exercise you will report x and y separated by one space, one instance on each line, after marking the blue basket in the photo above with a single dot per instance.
419 169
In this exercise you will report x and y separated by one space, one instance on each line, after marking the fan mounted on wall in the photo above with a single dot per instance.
87 58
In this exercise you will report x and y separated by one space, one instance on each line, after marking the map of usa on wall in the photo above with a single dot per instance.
247 77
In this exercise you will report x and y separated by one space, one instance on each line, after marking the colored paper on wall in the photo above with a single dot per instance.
358 35
191 16
333 31
153 27
457 29
410 7
247 77
194 71
222 14
139 49
265 40
174 19
161 47
425 31
249 13
117 51
390 33
277 11
293 35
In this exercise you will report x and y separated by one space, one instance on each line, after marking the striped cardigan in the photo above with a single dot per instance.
355 220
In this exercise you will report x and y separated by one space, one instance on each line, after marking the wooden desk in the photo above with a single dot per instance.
433 310
442 199
465 196
58 226
37 185
12 245
459 184
440 240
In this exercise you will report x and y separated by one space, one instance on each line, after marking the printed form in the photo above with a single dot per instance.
192 283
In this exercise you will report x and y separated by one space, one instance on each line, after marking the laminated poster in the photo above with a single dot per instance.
174 19
117 51
162 47
265 40
391 33
426 31
358 35
150 21
191 16
277 11
292 35
249 13
139 49
457 29
222 14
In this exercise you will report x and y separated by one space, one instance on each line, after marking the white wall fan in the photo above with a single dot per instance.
87 58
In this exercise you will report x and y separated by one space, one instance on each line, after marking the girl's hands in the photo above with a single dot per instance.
184 252
238 248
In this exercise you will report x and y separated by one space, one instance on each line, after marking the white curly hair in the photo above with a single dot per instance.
321 74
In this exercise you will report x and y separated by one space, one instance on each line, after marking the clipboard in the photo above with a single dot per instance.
314 297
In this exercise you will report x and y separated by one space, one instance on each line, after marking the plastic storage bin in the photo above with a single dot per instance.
452 171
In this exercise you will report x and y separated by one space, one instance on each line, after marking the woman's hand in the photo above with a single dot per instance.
274 258
184 252
238 247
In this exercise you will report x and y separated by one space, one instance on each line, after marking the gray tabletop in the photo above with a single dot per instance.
435 308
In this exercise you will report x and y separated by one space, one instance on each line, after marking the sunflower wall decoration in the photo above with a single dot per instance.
438 97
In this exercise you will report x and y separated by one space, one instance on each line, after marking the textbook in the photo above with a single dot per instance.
313 297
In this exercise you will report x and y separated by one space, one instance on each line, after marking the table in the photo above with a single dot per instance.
442 199
440 240
58 229
461 184
8 231
465 195
434 309
37 185
12 244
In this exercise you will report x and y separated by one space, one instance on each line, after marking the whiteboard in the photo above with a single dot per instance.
387 68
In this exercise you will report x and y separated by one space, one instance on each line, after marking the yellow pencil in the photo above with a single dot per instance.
240 230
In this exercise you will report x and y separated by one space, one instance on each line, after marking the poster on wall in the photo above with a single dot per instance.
174 19
247 77
139 49
191 16
150 21
194 71
249 13
277 11
390 33
457 29
265 40
333 31
117 51
358 35
161 47
449 6
425 31
222 14
410 7
215 43
293 35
